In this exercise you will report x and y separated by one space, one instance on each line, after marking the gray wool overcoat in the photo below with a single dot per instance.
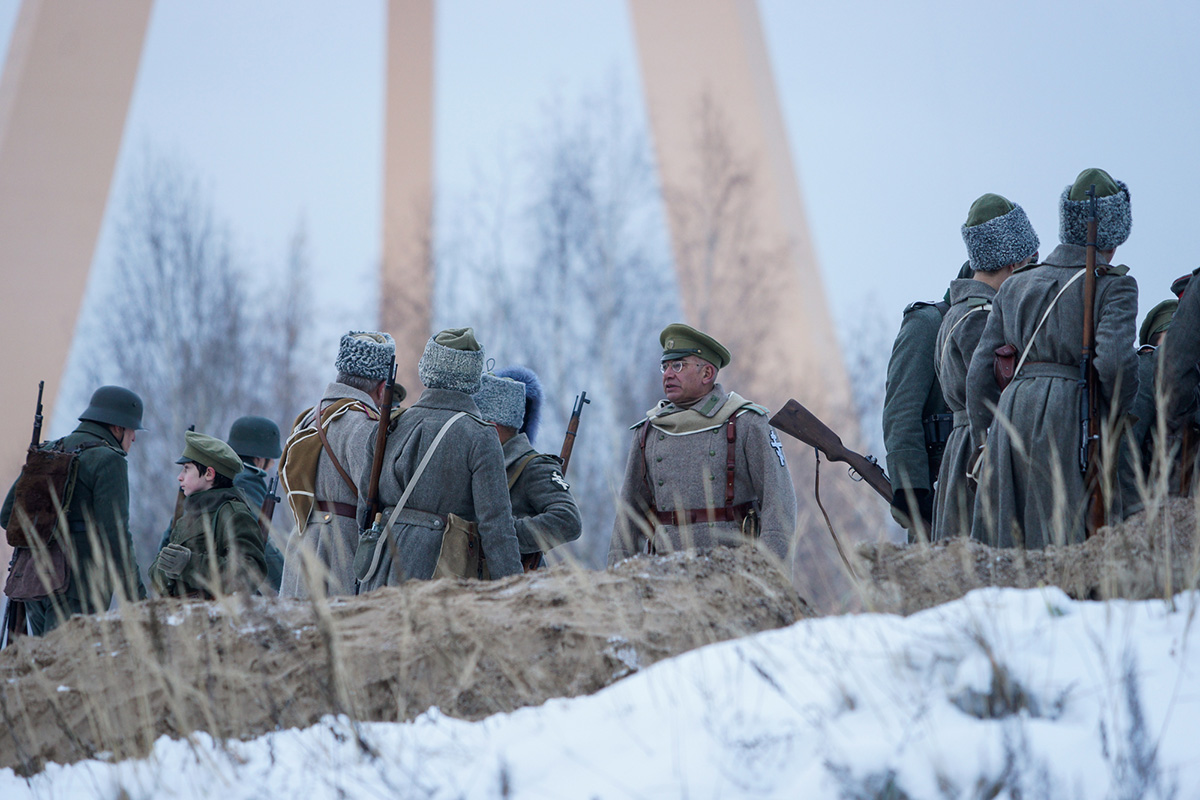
465 477
912 394
1138 446
687 471
332 537
962 327
1181 356
543 508
1031 489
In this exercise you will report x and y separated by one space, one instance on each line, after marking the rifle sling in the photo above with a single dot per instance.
521 465
329 451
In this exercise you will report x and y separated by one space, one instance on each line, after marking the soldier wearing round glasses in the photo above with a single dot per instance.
705 468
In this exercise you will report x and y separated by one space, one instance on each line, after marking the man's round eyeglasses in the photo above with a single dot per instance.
675 366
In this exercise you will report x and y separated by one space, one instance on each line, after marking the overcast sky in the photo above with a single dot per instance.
899 114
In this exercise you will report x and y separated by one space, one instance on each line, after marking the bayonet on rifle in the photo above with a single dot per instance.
37 419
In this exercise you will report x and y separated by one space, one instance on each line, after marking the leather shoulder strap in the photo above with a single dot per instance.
519 467
321 423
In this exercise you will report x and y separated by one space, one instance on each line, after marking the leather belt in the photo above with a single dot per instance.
340 509
1049 369
698 516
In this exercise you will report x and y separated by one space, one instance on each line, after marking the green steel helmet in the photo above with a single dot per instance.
114 405
254 437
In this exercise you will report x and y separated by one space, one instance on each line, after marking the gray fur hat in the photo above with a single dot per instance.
997 233
1112 210
367 354
501 400
453 359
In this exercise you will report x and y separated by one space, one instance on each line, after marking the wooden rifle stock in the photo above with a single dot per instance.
1089 404
797 421
572 429
381 434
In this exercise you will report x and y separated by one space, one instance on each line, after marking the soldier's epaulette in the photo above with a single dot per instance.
920 304
1027 267
480 420
639 423
1119 270
978 302
762 411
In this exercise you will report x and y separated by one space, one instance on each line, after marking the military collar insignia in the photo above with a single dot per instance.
778 445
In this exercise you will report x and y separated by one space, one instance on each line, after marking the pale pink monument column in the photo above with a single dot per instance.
711 53
64 95
406 299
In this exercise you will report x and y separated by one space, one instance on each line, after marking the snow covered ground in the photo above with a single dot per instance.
1003 694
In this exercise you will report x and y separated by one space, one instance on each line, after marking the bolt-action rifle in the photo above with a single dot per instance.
12 621
796 420
268 509
374 505
572 430
1089 401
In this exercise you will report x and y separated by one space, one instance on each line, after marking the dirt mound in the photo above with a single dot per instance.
1152 554
108 686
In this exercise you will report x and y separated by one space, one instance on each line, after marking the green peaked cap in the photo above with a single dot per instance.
458 339
1158 320
209 451
680 341
988 207
1105 185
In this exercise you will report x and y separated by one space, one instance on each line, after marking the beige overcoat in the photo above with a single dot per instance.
330 536
687 471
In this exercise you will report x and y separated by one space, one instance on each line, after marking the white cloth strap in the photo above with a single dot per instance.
954 327
1049 308
421 468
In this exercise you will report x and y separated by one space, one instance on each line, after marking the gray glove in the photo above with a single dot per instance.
172 560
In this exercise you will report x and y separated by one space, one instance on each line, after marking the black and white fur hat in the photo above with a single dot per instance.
533 397
501 400
1113 213
998 233
367 354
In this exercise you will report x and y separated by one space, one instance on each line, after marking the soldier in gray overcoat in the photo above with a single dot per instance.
97 515
465 475
1138 449
916 421
999 239
1181 358
323 481
543 508
679 492
1031 489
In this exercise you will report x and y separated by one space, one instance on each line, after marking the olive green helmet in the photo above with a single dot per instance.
254 437
114 405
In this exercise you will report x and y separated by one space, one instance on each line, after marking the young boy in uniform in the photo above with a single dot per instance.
215 546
